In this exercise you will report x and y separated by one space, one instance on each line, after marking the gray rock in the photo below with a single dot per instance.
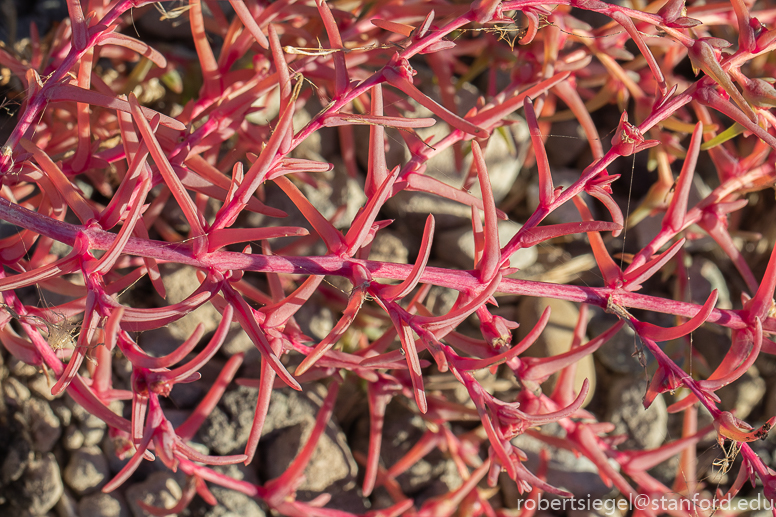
440 299
705 276
236 342
66 506
15 461
556 338
567 212
331 470
87 470
103 505
44 425
457 246
578 475
63 411
180 282
412 209
619 353
20 368
565 143
227 427
389 246
15 449
504 154
72 438
230 502
90 426
42 486
109 449
160 490
432 475
646 429
15 392
315 320
40 385
744 394
338 190
233 504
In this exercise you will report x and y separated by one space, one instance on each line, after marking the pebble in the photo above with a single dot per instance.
646 429
87 470
44 425
159 489
227 427
556 338
577 474
230 502
103 505
434 474
332 468
567 212
617 354
67 505
72 438
15 392
744 394
19 368
180 282
42 485
41 386
457 246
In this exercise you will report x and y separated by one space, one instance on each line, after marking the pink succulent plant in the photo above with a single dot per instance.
74 124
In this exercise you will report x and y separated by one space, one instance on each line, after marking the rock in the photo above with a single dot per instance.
15 449
63 411
180 282
646 429
160 489
412 208
705 276
336 189
40 385
608 508
230 502
103 505
87 470
578 475
742 396
321 145
236 341
332 469
556 338
431 475
15 392
66 506
389 246
617 354
93 430
227 427
73 438
567 212
44 425
440 299
565 143
109 449
90 426
41 486
20 368
504 154
457 246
